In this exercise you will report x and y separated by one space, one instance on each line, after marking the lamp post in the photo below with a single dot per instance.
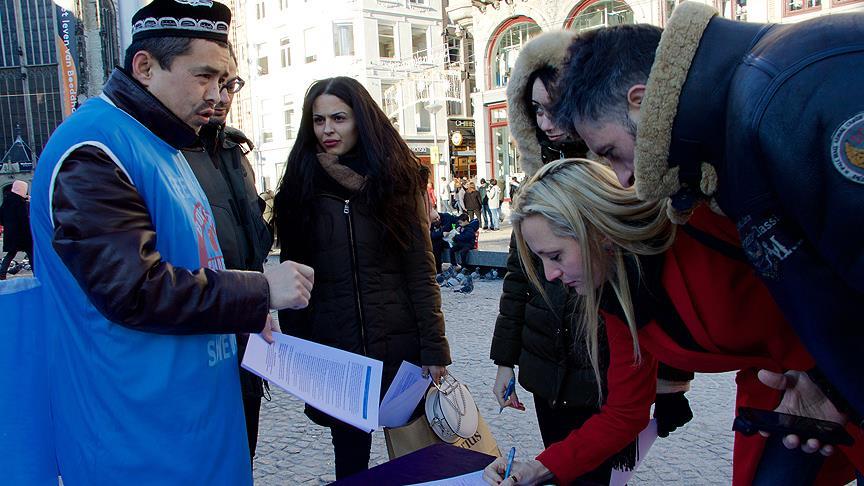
433 107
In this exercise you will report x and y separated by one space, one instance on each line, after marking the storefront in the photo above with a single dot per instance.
463 147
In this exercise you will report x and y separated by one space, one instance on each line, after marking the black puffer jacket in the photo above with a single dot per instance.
366 299
541 341
15 219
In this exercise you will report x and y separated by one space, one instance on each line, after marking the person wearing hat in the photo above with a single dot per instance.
142 353
15 219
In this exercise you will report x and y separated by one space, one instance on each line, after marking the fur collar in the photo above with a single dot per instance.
549 49
678 44
342 174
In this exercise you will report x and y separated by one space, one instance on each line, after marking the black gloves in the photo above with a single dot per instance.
671 410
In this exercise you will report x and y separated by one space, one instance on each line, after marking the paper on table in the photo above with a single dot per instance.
470 479
406 391
646 440
341 384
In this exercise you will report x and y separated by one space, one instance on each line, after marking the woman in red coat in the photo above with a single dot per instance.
686 299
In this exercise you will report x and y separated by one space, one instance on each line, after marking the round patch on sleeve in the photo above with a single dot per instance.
847 148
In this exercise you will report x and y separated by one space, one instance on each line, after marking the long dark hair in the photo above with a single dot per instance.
547 75
393 178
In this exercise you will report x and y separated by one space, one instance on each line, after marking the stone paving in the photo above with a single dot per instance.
293 450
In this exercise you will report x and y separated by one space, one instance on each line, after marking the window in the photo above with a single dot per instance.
309 45
266 126
454 46
390 101
800 6
289 123
386 41
505 157
506 49
607 13
416 3
422 118
419 42
283 4
343 40
259 10
285 52
263 62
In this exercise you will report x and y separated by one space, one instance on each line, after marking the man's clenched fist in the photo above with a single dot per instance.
290 285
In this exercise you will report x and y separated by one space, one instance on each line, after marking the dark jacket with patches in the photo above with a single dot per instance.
768 124
367 299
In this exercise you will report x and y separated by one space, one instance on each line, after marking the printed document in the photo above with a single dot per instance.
341 384
470 479
406 391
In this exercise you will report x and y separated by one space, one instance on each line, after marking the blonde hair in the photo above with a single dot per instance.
583 200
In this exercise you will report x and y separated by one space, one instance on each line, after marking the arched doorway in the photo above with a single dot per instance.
504 47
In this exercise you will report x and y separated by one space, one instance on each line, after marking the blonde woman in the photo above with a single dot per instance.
712 314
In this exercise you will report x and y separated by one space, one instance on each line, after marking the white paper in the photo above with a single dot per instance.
341 384
470 479
406 391
646 440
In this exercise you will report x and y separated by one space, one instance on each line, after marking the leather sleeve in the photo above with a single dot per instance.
425 295
507 337
104 235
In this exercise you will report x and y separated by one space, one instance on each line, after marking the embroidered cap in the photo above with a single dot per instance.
200 19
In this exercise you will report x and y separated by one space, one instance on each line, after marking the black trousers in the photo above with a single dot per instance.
352 447
439 246
252 411
7 260
557 423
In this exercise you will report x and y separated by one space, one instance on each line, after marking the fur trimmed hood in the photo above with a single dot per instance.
655 179
548 49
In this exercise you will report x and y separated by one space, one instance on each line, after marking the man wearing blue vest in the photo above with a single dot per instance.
140 311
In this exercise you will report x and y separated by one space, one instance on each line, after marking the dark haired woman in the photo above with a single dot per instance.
352 205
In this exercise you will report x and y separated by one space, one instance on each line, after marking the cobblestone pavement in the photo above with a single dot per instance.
292 450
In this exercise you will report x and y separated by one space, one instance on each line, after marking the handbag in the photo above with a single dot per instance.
419 433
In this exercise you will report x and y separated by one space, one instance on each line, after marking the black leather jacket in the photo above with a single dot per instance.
104 235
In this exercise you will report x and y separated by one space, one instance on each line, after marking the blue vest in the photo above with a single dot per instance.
129 405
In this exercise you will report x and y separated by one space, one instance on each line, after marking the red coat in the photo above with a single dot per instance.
732 317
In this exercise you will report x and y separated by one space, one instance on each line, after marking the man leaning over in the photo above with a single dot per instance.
142 311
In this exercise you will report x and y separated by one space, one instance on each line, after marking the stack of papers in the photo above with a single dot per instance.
341 384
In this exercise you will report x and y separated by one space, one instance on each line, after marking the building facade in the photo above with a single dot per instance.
53 56
499 28
393 47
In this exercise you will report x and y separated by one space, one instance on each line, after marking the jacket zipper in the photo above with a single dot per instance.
347 211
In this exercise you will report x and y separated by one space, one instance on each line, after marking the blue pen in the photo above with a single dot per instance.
509 462
508 391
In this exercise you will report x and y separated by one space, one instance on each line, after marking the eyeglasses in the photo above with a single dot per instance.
233 85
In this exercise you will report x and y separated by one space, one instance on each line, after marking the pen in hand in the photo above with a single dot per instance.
509 462
508 391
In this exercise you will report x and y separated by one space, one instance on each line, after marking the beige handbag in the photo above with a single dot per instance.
451 412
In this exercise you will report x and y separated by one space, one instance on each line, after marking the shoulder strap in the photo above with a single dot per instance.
716 244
